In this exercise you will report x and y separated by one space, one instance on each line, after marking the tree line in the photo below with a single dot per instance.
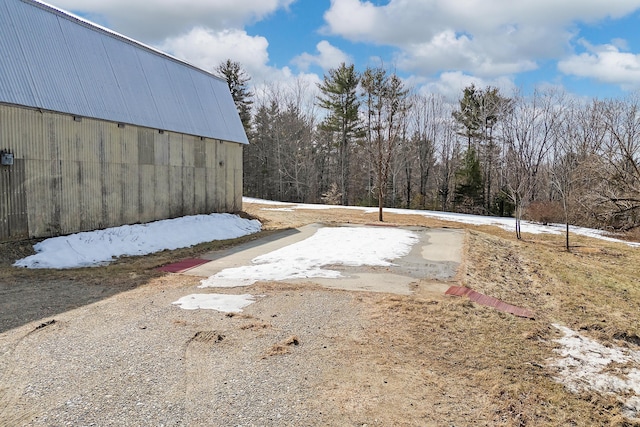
367 139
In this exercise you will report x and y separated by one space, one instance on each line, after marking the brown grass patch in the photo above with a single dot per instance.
283 347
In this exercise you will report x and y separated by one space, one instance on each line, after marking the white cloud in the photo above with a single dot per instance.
410 21
486 38
328 57
207 48
447 50
451 84
152 21
605 63
621 44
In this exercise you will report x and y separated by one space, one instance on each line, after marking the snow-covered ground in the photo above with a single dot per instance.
585 364
220 302
372 246
102 246
505 223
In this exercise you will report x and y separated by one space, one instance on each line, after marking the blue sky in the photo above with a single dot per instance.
588 47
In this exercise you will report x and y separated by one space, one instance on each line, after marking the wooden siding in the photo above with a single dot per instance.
79 174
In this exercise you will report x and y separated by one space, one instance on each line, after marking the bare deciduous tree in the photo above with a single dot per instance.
387 104
528 134
617 202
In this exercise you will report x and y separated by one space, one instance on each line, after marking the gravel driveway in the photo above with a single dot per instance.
135 359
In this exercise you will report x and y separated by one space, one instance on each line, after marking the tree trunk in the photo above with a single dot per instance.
380 204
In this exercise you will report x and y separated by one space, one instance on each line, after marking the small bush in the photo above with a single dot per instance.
333 196
545 212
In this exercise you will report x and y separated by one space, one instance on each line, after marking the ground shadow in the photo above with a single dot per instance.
27 299
267 238
38 295
30 295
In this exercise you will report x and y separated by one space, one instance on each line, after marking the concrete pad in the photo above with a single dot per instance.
436 257
243 254
444 245
371 282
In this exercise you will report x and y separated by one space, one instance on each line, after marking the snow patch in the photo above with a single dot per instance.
278 209
220 302
508 224
351 246
584 364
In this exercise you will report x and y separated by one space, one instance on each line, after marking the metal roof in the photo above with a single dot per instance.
53 60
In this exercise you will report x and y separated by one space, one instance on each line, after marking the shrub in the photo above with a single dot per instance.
545 212
333 196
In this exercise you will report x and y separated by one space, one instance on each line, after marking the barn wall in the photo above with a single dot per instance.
78 174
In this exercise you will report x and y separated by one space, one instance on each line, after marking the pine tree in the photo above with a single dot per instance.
339 97
468 114
468 192
237 79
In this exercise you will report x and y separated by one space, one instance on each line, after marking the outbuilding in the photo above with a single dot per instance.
98 130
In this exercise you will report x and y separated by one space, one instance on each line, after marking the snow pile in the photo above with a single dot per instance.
352 246
585 365
219 302
102 246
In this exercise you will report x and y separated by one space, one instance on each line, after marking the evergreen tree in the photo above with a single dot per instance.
339 97
468 114
478 113
468 192
237 79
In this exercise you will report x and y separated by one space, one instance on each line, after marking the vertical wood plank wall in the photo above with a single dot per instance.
72 175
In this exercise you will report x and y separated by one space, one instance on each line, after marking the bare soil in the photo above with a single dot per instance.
105 346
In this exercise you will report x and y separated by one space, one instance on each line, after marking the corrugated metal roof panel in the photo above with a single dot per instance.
47 60
15 87
216 123
226 106
184 93
135 91
88 44
162 89
55 61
